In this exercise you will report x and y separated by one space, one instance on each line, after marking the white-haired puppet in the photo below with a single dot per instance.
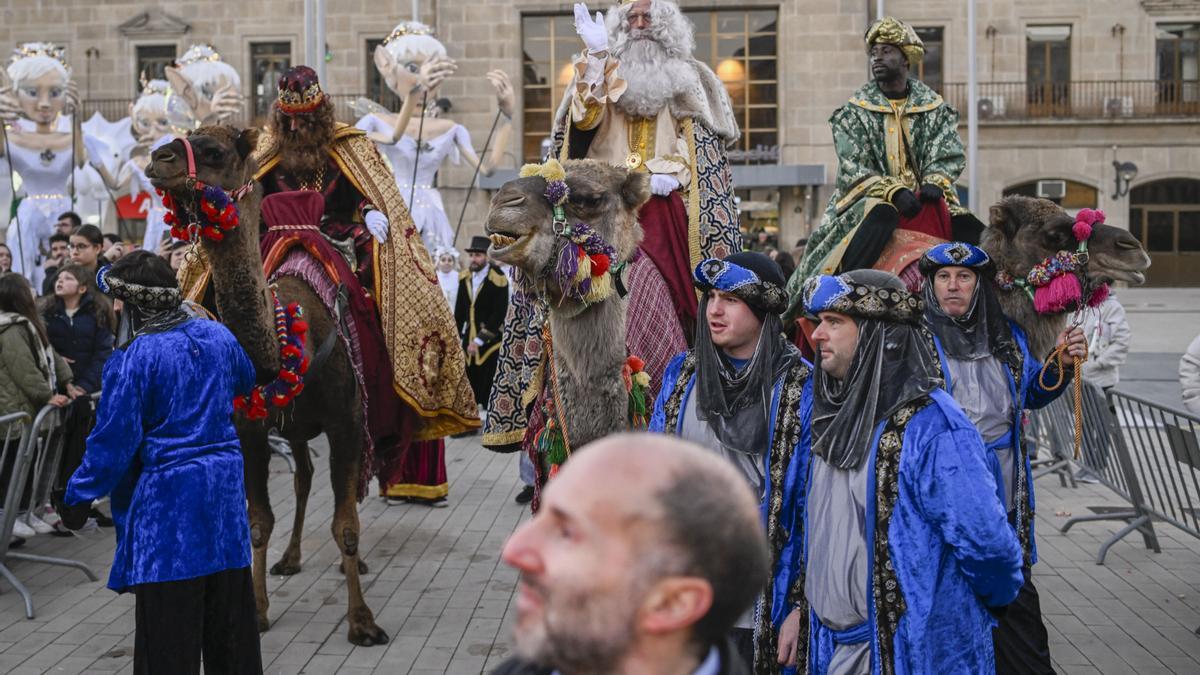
413 63
210 87
40 90
153 122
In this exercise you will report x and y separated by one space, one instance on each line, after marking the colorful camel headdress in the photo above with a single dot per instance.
1056 283
584 265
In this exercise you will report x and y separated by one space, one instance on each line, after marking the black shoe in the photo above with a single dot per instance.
525 495
16 542
101 519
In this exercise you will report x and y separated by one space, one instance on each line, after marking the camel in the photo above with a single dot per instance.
330 402
1024 231
589 339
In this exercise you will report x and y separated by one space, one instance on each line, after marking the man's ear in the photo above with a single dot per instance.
636 189
247 140
675 604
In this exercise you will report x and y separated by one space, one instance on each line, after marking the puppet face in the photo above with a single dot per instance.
152 122
42 98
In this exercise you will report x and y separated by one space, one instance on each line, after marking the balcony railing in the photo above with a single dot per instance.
114 109
1093 100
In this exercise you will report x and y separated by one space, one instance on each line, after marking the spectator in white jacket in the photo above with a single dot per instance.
1108 337
1189 377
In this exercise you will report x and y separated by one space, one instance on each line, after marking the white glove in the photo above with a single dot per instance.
593 33
377 225
662 185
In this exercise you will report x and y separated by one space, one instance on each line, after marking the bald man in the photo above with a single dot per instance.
645 552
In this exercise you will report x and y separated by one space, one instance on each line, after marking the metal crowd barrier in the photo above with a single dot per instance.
1050 429
1147 453
32 446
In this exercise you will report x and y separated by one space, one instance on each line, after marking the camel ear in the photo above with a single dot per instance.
636 190
1001 217
247 140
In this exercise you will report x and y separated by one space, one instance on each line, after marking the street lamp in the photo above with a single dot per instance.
1125 173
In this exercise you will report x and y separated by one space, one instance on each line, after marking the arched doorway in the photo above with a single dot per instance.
1165 216
1068 194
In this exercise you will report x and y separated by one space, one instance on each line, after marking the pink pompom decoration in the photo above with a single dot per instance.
1098 296
1084 220
1062 293
1081 230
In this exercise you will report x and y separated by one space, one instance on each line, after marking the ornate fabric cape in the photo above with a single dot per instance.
429 368
874 162
785 474
937 551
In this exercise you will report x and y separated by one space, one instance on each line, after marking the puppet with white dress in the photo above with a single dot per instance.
413 62
40 90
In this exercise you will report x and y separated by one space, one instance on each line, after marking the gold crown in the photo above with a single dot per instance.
31 49
196 54
301 102
408 28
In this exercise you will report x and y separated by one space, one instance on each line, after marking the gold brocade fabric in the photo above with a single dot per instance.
428 364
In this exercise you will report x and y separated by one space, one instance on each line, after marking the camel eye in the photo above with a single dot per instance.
214 155
586 201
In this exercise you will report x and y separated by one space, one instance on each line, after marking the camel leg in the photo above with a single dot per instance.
289 564
344 461
256 457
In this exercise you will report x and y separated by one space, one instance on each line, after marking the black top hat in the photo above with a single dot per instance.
479 244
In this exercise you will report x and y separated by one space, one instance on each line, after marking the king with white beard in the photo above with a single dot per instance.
640 100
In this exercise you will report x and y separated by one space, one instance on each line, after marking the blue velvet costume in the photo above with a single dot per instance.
1031 395
165 448
785 575
954 554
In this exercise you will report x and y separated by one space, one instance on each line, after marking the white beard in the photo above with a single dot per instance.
652 77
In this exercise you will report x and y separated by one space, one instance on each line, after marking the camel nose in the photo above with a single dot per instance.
164 154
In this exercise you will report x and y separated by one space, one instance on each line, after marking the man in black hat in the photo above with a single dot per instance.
740 393
479 313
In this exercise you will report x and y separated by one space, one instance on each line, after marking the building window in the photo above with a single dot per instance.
1165 216
739 45
1048 70
1178 54
930 70
377 89
152 62
268 62
1066 193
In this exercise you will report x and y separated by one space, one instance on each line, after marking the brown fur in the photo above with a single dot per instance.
1024 231
589 342
331 404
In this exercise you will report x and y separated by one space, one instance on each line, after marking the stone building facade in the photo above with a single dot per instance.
1067 88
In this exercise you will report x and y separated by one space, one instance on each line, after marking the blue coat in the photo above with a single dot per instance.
1031 395
82 338
787 569
954 554
165 448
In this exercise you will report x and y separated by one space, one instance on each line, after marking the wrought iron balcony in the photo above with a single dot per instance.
1080 100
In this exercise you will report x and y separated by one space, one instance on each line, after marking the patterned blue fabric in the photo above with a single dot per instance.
954 553
954 253
1032 396
165 448
786 572
825 293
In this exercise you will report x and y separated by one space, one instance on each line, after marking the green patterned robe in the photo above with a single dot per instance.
873 164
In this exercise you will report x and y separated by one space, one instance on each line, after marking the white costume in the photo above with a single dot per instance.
427 209
44 178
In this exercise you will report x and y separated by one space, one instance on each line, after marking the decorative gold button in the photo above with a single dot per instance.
633 160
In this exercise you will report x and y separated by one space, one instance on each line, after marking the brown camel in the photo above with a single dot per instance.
1024 231
331 403
589 340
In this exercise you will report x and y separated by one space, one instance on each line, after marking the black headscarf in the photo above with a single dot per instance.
737 403
895 362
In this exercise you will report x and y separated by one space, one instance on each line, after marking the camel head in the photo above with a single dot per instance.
1025 231
223 158
521 222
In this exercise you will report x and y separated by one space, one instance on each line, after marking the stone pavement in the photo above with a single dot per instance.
437 587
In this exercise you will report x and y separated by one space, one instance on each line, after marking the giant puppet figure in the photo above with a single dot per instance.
210 88
417 148
638 99
899 157
40 90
